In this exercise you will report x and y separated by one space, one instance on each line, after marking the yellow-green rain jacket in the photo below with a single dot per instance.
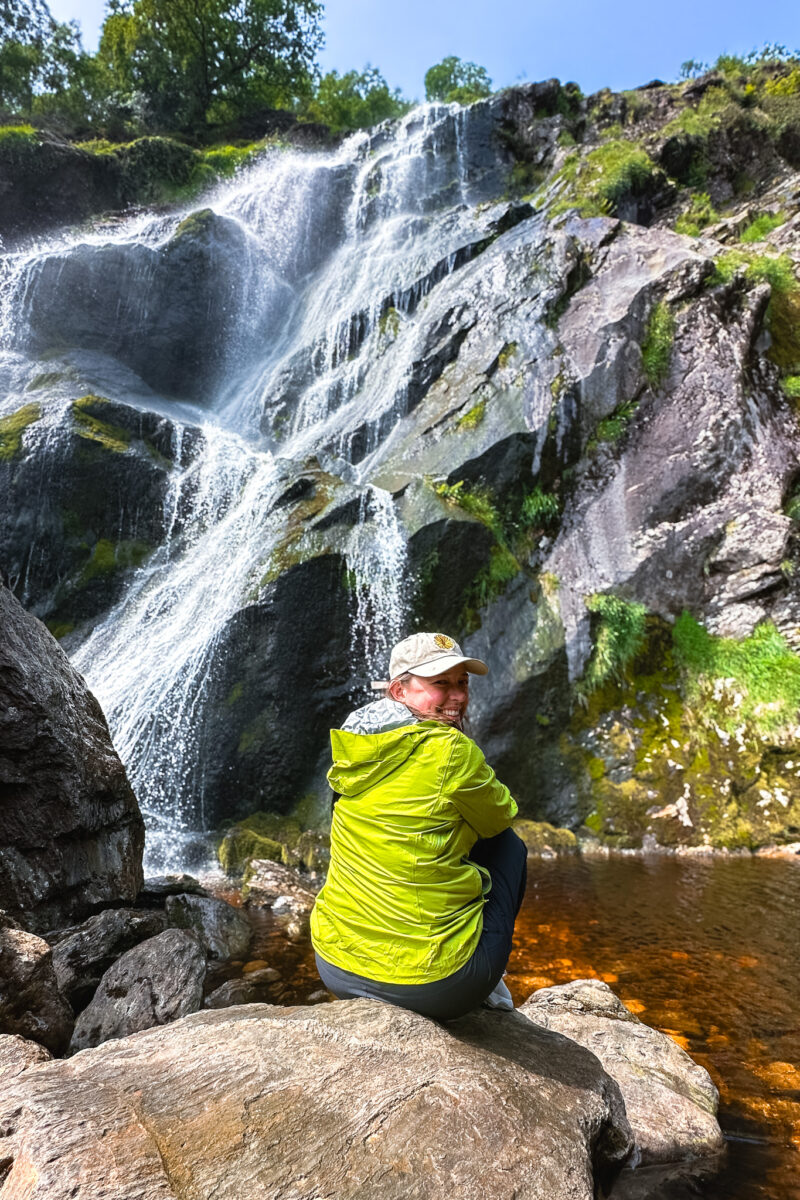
402 902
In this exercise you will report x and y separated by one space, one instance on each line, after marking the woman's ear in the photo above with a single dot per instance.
396 690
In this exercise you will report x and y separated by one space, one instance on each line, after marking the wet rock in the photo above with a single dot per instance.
70 830
225 930
17 1054
175 314
82 954
30 1003
257 987
207 1097
154 983
544 840
158 887
670 1100
272 885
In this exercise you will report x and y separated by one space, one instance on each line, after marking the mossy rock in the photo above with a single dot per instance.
544 839
262 835
13 426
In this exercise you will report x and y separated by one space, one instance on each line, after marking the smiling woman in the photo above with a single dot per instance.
426 875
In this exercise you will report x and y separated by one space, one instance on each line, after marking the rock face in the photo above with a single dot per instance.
257 987
31 1004
70 829
670 1100
83 954
224 930
152 984
503 371
363 1098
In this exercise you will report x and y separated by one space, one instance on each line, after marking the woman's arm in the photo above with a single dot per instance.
470 783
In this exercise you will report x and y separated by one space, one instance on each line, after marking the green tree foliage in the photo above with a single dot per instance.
206 61
452 80
44 71
354 100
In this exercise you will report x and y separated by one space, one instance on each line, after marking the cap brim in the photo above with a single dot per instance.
446 662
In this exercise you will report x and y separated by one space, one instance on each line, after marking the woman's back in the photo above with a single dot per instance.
401 901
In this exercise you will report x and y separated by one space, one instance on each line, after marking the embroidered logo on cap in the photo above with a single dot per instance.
443 641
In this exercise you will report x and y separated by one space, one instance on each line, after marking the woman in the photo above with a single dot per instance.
426 875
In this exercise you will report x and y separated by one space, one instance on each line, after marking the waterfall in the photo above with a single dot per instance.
336 252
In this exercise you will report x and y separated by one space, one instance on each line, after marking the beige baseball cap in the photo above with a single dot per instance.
427 654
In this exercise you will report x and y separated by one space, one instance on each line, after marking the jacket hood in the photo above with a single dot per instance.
360 760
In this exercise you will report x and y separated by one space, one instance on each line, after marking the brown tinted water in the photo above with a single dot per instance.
707 950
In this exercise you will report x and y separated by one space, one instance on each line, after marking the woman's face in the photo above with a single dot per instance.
442 698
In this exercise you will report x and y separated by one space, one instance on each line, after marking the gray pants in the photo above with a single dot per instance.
505 857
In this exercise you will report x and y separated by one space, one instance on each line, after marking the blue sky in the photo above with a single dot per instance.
619 46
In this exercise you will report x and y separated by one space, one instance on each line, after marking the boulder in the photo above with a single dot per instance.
70 828
361 1099
225 931
257 987
17 1054
669 1098
271 885
30 1003
158 887
82 954
152 984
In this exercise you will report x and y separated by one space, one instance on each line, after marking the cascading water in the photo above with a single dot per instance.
333 254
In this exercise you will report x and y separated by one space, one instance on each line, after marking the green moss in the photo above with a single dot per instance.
596 183
699 120
541 837
758 229
91 426
761 674
657 345
226 160
389 323
235 694
473 417
108 557
506 354
47 379
12 428
477 501
21 134
60 629
791 386
260 835
620 633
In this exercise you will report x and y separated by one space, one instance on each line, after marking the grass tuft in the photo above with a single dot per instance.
619 637
657 345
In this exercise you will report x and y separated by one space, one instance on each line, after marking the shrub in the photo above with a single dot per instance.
620 634
761 675
758 229
657 345
700 213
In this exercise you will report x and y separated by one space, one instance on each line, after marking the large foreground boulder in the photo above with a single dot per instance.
70 829
31 1005
152 984
356 1099
670 1100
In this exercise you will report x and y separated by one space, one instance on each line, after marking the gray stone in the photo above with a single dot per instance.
154 983
70 830
362 1099
272 885
670 1100
158 887
82 954
30 1003
17 1054
225 930
256 987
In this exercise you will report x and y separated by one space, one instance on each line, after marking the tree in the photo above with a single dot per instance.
203 61
355 100
452 80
